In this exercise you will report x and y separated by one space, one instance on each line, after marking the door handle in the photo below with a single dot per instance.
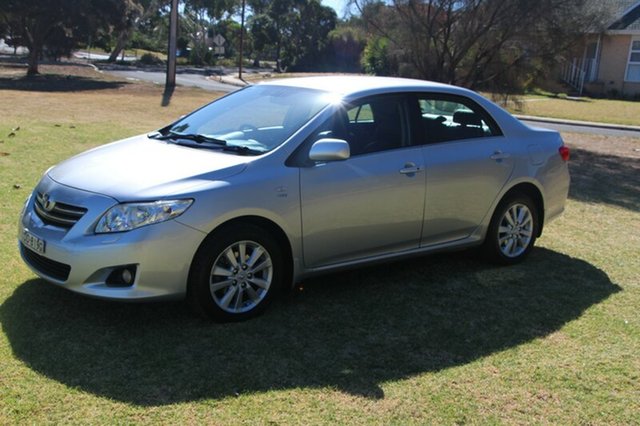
410 169
499 155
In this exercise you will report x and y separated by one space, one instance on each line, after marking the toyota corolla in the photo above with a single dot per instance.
280 181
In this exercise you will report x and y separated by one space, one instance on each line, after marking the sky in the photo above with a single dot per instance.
338 5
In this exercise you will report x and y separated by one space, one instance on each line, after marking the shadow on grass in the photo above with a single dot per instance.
56 83
352 331
602 178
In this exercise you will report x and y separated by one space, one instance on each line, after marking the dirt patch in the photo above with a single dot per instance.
605 169
602 144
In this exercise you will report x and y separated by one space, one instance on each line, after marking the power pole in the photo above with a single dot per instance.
173 38
241 40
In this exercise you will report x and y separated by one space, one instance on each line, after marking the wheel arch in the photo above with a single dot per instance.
268 225
533 192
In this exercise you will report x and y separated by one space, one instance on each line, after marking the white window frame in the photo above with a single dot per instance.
629 62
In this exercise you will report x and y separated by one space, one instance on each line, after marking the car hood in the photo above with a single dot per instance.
140 168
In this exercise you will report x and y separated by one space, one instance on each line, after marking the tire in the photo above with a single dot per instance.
513 230
223 286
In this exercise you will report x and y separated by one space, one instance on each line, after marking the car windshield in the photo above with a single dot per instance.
258 118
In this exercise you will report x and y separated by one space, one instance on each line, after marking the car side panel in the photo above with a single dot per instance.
463 180
361 207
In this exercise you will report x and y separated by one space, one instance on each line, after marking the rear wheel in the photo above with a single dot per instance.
513 230
235 273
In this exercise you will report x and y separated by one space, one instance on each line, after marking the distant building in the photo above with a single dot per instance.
610 61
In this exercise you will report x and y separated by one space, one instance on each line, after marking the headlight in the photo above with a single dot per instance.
128 216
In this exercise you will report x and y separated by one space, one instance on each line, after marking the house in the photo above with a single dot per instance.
610 61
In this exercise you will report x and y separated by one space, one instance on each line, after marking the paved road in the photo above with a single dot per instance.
194 80
583 129
99 56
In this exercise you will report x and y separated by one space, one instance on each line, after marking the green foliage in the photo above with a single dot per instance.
57 26
376 59
151 31
346 44
214 9
293 32
150 59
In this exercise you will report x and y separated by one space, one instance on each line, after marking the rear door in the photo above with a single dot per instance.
468 161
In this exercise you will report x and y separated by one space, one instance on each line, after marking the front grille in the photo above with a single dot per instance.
46 266
58 214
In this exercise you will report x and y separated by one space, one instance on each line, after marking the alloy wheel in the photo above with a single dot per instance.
515 230
241 277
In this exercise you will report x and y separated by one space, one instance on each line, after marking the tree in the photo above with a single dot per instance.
199 19
11 38
310 35
346 45
296 31
58 24
376 58
134 12
479 43
270 24
151 31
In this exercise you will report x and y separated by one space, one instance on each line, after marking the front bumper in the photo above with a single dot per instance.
162 253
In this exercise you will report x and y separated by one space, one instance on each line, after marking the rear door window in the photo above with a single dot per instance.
448 118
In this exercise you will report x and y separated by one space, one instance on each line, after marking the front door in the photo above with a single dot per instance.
371 203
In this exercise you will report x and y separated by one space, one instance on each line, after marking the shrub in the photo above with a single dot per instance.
150 59
375 59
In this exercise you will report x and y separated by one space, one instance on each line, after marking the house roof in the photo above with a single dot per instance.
627 14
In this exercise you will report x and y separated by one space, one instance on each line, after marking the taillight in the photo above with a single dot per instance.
564 152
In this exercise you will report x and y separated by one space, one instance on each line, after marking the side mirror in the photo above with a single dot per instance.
330 150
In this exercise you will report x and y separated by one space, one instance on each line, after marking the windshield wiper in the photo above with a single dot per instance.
196 137
241 149
204 139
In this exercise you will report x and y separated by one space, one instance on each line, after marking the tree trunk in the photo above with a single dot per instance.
32 60
278 67
123 37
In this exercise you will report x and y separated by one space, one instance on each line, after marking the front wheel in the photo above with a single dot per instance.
235 273
512 231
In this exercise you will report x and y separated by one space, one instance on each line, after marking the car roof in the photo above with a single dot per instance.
357 86
346 85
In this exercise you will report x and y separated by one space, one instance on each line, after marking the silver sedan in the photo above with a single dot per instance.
284 180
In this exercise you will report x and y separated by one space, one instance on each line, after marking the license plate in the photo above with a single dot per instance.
34 243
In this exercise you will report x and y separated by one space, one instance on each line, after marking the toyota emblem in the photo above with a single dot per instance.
47 203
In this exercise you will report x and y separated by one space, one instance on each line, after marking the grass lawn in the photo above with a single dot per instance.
442 339
584 109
